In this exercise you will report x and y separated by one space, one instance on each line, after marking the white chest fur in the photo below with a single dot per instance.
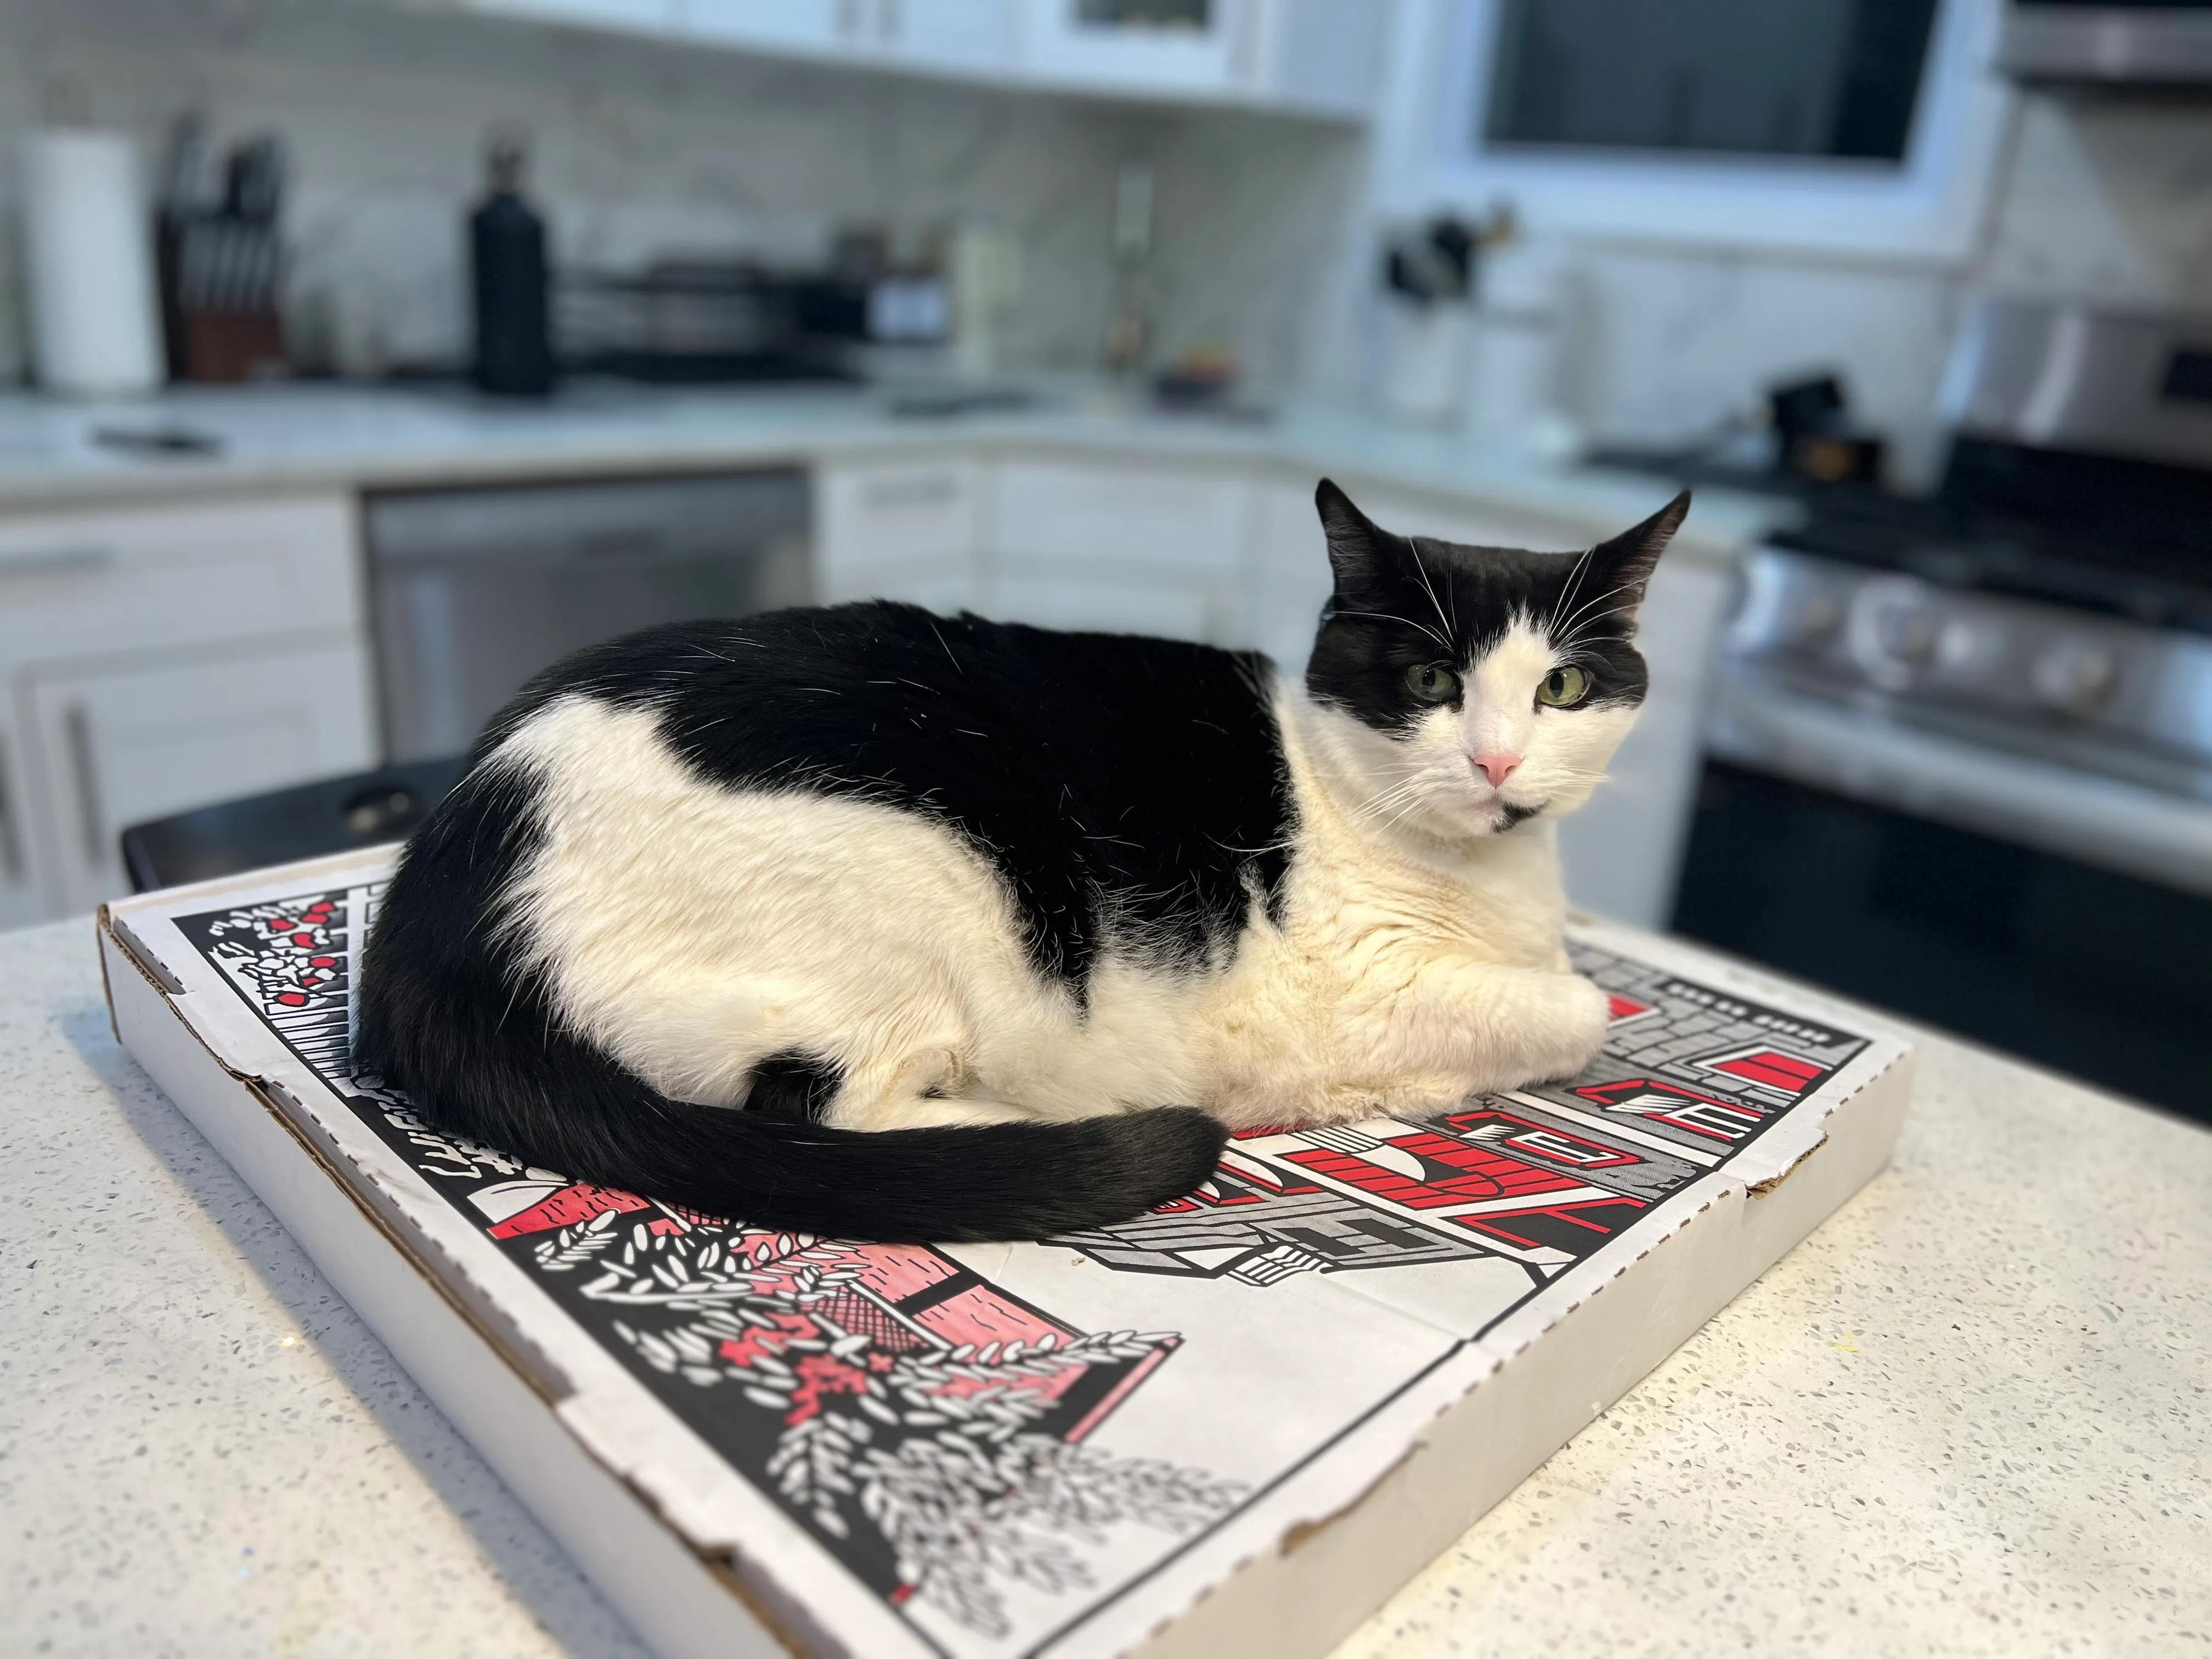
1409 971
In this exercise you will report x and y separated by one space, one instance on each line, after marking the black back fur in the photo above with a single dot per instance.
1124 787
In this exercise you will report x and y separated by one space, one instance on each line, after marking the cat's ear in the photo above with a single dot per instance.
1621 567
1361 553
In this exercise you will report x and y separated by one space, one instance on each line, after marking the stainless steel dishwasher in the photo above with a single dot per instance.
475 590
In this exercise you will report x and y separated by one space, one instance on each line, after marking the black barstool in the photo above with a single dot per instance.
332 816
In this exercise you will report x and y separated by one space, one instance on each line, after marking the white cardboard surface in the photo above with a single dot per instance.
1234 1425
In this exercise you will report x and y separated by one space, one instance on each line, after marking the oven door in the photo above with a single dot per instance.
2063 916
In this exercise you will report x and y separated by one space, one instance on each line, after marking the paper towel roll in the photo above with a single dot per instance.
94 329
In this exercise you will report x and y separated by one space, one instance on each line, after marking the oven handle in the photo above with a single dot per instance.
2140 832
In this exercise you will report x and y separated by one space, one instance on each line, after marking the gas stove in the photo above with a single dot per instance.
2036 636
1959 749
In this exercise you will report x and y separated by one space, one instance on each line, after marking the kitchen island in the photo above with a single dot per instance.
1969 1415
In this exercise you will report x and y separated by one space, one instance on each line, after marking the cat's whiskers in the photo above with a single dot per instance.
1574 625
1451 626
1574 583
1406 789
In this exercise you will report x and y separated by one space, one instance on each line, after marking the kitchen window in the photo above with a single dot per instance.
1852 126
1833 79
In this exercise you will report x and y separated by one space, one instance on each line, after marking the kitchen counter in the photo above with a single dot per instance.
1969 1416
313 436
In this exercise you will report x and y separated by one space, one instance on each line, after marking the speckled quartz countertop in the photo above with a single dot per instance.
315 436
1971 1415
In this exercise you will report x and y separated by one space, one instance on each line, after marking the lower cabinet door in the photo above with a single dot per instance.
115 746
22 885
1105 604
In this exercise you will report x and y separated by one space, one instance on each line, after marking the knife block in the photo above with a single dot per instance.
219 278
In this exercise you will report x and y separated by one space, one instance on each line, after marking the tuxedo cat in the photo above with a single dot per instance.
870 922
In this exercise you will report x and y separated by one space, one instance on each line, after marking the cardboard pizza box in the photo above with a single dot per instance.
1232 1426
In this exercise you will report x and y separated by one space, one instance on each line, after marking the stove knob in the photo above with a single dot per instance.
2074 676
1814 615
1910 635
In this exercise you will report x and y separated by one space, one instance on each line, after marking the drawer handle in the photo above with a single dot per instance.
911 492
11 841
57 561
76 732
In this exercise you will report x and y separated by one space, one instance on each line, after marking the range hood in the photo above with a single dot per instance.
2161 44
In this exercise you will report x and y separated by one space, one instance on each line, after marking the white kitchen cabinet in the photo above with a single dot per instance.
629 16
1414 512
1146 547
1106 45
967 36
1101 605
906 529
112 746
22 894
772 25
1290 573
1317 55
1150 514
1063 543
974 36
1624 851
146 578
161 657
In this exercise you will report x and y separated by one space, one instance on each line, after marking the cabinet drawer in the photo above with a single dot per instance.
876 515
114 746
1176 611
82 585
22 889
1119 516
1405 513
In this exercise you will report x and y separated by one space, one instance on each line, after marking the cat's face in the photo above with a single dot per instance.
1483 686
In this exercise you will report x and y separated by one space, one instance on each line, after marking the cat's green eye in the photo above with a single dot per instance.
1563 688
1432 682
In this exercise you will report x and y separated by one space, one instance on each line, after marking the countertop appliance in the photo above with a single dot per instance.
2107 43
475 590
1959 750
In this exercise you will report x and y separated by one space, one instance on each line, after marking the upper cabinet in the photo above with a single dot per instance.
792 25
634 16
971 36
1180 46
1318 56
1315 56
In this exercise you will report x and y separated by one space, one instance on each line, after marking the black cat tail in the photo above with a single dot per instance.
500 1076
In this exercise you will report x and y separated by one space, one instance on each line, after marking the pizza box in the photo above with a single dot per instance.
1234 1425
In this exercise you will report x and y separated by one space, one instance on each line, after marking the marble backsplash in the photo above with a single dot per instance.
640 149
1264 239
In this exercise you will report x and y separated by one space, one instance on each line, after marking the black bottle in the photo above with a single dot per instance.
506 250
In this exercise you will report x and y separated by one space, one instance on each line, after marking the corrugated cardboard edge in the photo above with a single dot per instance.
1326 1573
681 1602
721 1516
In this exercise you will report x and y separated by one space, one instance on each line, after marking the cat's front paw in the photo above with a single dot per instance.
1581 1013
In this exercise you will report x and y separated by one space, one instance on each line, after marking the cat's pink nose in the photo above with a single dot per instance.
1497 768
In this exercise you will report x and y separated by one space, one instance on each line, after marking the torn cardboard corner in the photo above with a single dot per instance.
1232 1425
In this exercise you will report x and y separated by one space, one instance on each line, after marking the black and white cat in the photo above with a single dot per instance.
870 922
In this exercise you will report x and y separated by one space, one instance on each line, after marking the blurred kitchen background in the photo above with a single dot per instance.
361 356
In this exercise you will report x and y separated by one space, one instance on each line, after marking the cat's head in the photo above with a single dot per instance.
1481 685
